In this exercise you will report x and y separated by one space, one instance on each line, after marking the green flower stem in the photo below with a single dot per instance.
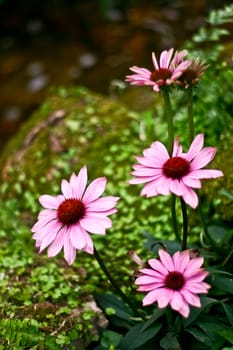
114 284
168 113
214 245
185 224
169 316
174 218
190 113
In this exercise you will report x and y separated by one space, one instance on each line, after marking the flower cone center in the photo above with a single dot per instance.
160 74
188 76
70 211
174 280
176 167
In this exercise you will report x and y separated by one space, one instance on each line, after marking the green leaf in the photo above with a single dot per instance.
195 312
200 335
223 285
136 337
156 315
170 342
123 314
109 338
228 335
229 312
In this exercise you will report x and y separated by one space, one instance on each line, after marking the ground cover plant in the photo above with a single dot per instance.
174 289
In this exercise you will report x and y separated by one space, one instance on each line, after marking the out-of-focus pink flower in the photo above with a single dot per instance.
192 74
67 218
178 174
169 68
173 280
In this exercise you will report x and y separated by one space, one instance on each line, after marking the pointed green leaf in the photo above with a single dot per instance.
169 342
136 337
228 335
229 312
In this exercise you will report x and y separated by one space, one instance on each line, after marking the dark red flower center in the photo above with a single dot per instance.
174 280
70 211
176 167
188 76
160 74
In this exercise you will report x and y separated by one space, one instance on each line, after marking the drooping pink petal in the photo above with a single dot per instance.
191 298
191 182
190 197
56 246
69 250
96 224
164 298
151 297
89 247
77 237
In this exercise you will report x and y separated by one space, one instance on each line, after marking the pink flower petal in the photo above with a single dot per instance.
66 189
154 60
190 197
50 202
184 310
166 260
195 147
102 204
203 158
79 185
164 297
151 297
181 260
149 287
96 224
94 190
206 174
165 58
69 250
89 247
57 244
77 238
158 266
145 279
191 298
193 266
191 182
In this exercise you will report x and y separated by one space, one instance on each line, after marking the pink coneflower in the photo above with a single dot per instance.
173 280
178 174
169 69
192 74
67 218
